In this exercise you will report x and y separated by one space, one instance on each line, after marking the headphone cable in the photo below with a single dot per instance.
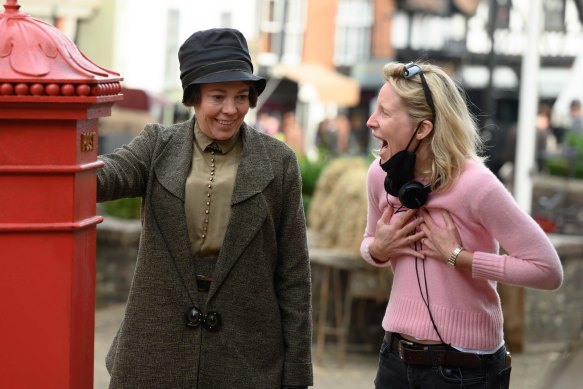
426 297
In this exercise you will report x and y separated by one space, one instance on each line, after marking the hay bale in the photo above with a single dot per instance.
338 209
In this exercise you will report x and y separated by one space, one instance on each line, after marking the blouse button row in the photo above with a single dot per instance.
208 195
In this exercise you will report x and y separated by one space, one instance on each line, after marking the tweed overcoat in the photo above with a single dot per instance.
261 283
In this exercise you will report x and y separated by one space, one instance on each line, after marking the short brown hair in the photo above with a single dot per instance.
192 95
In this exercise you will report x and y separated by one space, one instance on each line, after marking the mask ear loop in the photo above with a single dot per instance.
413 137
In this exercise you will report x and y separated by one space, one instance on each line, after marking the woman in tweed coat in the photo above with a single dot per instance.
251 326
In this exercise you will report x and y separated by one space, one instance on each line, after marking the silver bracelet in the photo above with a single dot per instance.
454 254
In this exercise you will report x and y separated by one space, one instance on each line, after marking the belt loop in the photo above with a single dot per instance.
388 337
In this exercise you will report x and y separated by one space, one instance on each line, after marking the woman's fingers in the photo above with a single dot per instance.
387 214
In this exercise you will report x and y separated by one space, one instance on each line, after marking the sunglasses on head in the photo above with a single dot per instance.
411 70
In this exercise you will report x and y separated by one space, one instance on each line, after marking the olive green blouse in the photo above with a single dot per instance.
209 187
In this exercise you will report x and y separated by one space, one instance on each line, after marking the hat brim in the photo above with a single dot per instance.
231 76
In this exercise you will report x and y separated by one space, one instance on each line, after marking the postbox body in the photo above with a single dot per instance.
51 97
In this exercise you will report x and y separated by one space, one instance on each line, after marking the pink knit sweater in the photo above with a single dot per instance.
464 304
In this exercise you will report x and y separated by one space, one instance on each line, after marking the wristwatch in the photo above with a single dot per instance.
454 254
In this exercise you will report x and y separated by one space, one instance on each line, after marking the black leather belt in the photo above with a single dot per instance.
431 355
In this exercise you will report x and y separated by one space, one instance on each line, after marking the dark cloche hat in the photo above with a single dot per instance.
216 55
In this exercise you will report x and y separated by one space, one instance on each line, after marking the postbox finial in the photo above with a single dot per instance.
40 61
11 6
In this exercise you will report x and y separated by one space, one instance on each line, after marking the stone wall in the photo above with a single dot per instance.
117 250
559 200
557 316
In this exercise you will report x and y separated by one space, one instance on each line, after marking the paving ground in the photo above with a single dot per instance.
549 366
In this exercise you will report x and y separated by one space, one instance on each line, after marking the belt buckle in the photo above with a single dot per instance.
203 283
400 350
402 347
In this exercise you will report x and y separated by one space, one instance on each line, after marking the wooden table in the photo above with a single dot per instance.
329 265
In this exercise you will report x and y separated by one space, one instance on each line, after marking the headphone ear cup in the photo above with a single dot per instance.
392 187
387 184
414 195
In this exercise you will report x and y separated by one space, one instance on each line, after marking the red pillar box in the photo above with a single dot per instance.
51 97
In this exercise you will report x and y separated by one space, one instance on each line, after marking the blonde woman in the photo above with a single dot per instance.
438 217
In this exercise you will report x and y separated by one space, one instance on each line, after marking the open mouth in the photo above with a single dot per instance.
225 122
384 146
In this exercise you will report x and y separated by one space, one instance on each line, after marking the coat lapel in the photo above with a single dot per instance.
172 165
248 210
171 169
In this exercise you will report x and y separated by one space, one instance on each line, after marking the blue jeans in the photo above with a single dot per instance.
393 373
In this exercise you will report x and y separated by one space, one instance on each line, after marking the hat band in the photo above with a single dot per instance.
214 67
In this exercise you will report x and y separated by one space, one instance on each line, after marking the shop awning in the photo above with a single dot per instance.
332 86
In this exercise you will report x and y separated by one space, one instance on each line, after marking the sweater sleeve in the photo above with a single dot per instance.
374 180
531 259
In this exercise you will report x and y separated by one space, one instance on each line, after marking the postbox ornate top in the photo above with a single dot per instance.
36 59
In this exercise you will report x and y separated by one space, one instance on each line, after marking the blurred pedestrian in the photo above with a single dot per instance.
268 124
333 136
437 216
221 291
546 142
293 133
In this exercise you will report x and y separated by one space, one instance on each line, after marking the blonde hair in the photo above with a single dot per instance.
455 136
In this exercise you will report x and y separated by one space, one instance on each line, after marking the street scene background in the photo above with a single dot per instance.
520 63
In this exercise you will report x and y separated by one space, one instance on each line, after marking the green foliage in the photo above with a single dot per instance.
124 208
561 166
570 162
574 141
310 171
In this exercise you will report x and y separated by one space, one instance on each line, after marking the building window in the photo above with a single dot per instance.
295 25
284 23
554 15
353 31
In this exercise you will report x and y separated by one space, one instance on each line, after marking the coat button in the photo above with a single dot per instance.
212 321
193 317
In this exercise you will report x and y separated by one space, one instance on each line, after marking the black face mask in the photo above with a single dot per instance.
400 168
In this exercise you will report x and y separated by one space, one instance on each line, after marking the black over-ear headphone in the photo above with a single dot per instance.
414 194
